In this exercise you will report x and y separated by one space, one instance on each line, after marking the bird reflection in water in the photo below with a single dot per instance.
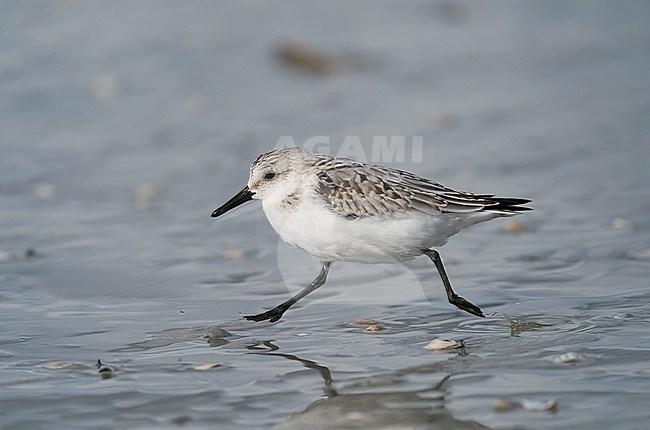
342 408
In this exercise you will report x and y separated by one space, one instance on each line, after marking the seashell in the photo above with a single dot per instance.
621 224
45 191
440 344
206 366
107 372
233 254
536 405
304 57
55 365
514 227
106 87
569 357
145 195
503 404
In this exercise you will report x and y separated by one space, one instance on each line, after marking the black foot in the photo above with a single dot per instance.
465 305
273 315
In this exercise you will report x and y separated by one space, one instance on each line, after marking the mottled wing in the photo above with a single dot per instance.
361 191
357 190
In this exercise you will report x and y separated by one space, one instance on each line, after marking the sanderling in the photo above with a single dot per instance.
337 209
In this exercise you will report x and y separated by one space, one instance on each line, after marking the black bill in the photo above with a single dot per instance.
242 197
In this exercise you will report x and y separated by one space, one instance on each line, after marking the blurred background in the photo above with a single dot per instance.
123 124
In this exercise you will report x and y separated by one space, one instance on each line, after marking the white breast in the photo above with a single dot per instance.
310 225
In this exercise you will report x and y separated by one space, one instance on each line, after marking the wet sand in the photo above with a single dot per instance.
124 124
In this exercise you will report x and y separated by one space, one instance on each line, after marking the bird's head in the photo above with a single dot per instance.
273 174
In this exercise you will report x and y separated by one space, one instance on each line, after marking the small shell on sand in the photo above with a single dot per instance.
371 326
514 227
45 191
106 87
145 195
569 357
536 405
503 404
621 224
55 365
233 254
106 372
441 344
305 58
206 366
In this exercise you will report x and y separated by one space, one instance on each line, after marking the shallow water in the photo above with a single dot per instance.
125 124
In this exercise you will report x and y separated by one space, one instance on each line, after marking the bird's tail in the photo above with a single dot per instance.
508 205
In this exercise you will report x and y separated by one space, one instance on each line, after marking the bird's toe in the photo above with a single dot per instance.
467 306
273 315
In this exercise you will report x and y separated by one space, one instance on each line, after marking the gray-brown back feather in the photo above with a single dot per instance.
357 190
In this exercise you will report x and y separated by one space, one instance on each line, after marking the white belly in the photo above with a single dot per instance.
331 237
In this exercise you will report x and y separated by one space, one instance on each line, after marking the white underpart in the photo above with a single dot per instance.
310 225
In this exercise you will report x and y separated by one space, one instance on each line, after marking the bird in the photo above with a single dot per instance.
341 210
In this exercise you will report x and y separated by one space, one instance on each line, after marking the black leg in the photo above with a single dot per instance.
276 313
454 298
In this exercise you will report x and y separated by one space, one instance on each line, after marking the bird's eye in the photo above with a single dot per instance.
269 176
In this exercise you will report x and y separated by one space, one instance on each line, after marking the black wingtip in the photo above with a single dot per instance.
510 204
